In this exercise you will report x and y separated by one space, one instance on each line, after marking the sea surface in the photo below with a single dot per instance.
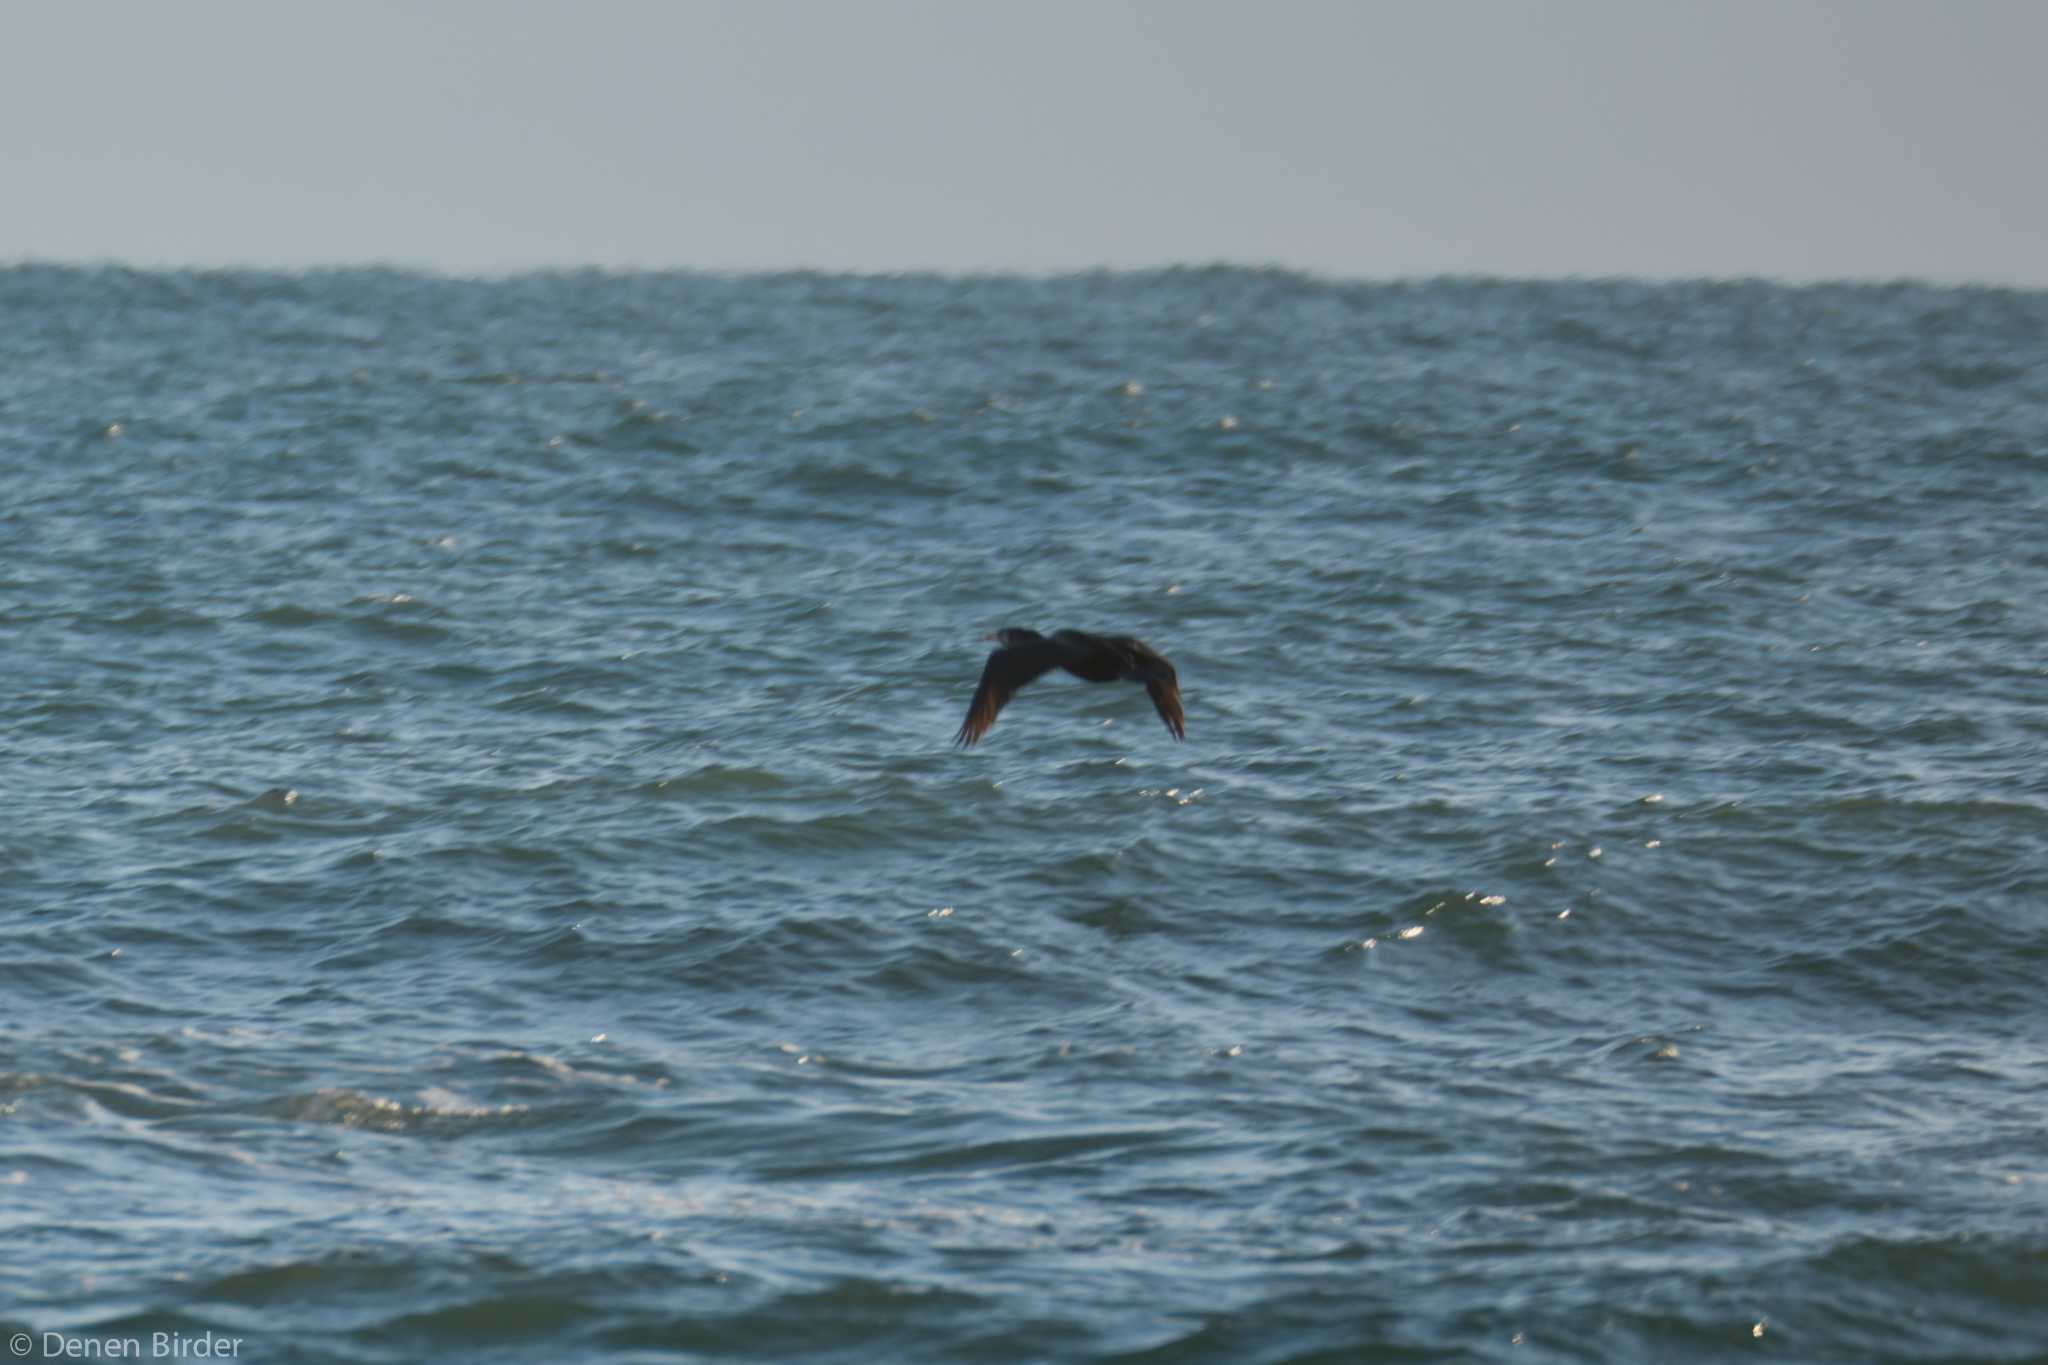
485 874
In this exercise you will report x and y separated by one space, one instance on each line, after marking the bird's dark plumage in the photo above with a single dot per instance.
1022 655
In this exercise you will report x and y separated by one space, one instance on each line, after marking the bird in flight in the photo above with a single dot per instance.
1022 655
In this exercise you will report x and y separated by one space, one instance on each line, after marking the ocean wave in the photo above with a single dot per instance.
484 830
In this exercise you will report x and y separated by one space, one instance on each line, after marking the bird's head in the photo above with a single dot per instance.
1013 635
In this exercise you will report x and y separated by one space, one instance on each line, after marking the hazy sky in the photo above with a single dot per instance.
1794 139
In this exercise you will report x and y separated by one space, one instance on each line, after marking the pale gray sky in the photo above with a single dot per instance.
1794 139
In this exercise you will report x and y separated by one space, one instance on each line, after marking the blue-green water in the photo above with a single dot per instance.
485 875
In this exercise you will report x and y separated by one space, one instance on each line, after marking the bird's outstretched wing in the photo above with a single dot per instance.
1142 663
1008 669
1165 693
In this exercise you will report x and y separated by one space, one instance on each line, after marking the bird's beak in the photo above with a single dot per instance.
988 637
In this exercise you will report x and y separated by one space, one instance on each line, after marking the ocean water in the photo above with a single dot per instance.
484 874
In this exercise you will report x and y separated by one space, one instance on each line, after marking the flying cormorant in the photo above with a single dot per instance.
1022 655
